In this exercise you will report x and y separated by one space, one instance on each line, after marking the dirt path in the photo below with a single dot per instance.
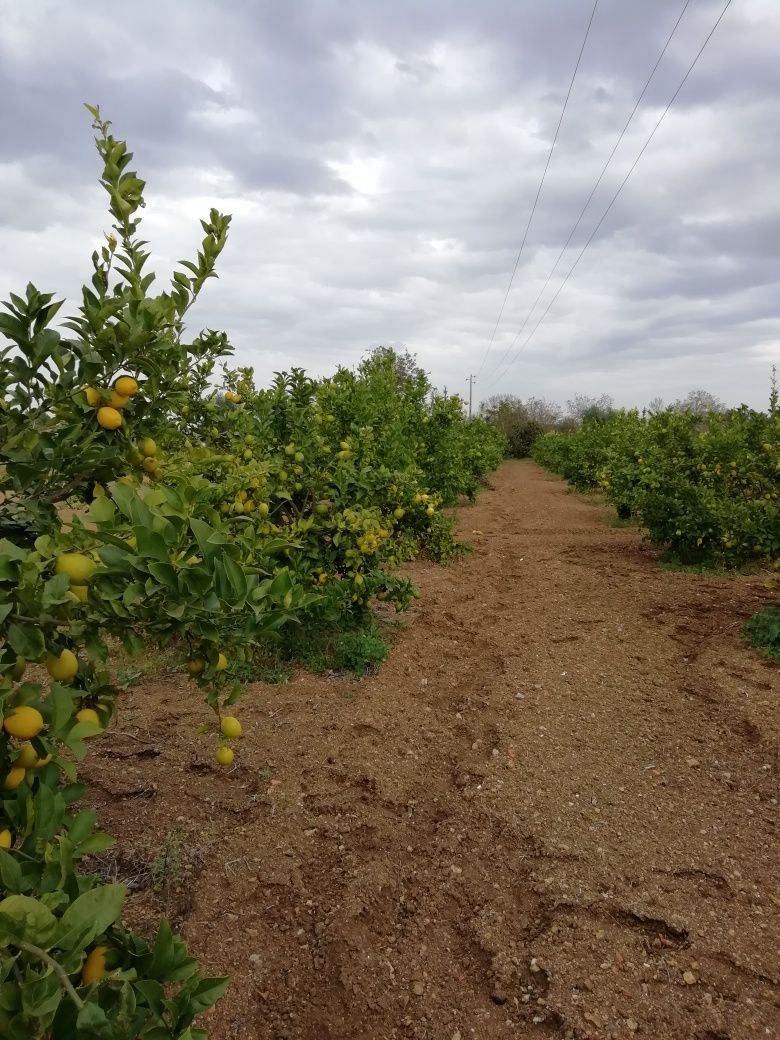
552 814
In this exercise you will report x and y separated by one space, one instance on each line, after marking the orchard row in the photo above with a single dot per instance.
146 498
707 488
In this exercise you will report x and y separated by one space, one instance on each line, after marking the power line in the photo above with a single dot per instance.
539 189
589 199
622 185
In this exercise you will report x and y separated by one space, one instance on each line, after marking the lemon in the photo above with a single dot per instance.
430 510
399 513
23 722
14 777
196 666
263 509
224 756
109 418
62 668
88 715
117 400
77 566
150 465
126 386
27 756
93 396
6 839
230 727
147 447
81 592
94 966
222 663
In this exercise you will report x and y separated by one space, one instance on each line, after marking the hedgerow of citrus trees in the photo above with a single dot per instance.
85 556
706 488
340 479
137 506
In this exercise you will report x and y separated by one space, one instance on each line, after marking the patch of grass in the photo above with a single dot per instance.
670 562
167 867
623 521
762 630
275 676
360 652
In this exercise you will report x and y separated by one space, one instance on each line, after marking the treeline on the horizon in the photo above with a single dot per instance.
521 421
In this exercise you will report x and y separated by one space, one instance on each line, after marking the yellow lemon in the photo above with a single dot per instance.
222 663
109 418
6 839
77 566
88 715
117 400
81 592
230 727
27 756
15 776
150 465
196 666
224 756
126 386
93 396
94 966
147 447
23 722
62 668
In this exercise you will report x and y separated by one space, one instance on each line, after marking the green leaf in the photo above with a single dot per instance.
61 698
93 1024
102 510
24 919
206 993
89 916
10 872
82 826
26 641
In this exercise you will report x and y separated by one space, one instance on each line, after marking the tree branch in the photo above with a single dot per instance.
56 967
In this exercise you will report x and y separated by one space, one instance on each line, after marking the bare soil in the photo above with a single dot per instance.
552 813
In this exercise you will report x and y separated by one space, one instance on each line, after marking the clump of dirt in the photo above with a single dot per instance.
552 813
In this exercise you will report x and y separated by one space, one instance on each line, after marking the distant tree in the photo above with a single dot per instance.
518 420
699 402
546 413
582 408
656 405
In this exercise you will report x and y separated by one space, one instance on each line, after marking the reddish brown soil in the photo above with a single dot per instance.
553 813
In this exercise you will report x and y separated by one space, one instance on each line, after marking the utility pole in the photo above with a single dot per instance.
472 381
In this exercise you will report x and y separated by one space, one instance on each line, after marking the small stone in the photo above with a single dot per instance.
418 988
535 965
456 1035
456 870
692 762
498 996
255 958
689 978
631 1025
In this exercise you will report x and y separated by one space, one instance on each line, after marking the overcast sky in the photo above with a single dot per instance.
380 160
